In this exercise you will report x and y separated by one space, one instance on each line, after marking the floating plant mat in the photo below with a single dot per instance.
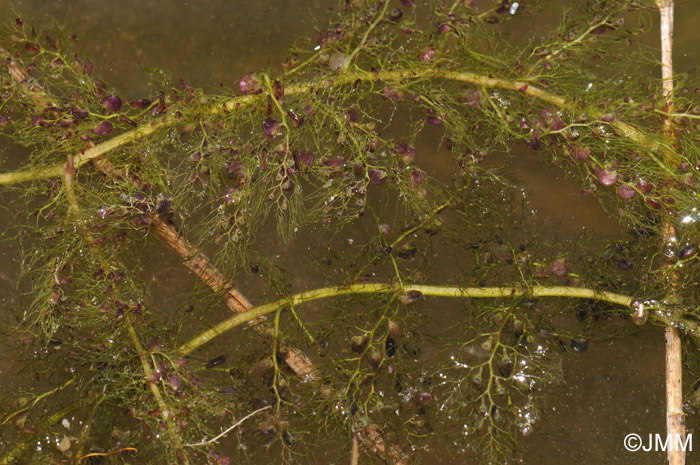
390 201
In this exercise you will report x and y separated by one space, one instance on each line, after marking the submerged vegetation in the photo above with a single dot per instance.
344 356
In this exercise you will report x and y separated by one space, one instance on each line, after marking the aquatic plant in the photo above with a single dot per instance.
310 152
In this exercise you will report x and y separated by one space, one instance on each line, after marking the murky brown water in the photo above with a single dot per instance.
613 389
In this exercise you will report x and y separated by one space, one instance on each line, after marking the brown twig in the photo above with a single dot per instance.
21 77
373 439
675 420
68 185
200 265
354 449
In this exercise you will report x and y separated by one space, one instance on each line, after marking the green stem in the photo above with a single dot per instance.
369 30
345 78
85 156
567 45
428 290
37 399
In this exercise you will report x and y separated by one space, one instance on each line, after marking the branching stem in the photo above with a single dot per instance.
377 20
344 78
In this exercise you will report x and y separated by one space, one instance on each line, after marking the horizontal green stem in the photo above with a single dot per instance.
426 290
86 155
341 79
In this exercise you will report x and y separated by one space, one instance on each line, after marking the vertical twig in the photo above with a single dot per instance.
666 14
675 422
68 184
354 449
